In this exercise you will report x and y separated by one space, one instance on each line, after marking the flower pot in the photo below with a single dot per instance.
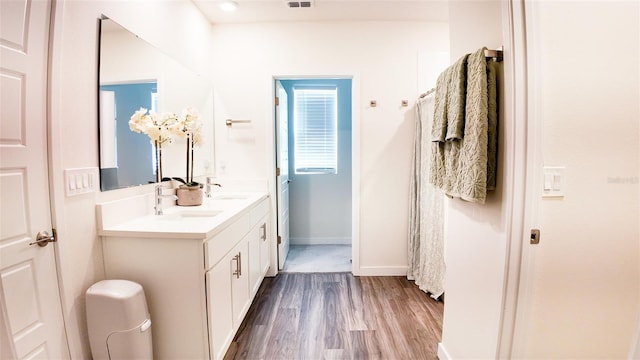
189 195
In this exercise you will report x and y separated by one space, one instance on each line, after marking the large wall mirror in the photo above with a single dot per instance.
133 74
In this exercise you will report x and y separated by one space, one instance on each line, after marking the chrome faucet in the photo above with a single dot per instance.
159 197
209 185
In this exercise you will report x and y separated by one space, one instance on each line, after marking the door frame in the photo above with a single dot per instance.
355 162
283 189
527 171
55 130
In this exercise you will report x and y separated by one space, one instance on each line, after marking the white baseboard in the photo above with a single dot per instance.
381 271
320 241
443 354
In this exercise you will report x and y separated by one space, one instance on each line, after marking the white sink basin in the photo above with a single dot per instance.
190 214
229 197
196 214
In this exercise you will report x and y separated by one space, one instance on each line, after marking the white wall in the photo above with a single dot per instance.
174 26
383 58
476 235
586 278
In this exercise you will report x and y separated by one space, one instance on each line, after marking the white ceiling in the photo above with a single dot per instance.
251 11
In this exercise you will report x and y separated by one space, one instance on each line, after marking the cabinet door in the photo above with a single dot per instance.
259 254
265 248
254 260
219 305
238 270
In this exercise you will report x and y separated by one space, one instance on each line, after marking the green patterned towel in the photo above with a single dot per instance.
465 166
470 170
456 99
439 125
448 118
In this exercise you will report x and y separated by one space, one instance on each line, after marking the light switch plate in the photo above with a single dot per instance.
81 181
553 182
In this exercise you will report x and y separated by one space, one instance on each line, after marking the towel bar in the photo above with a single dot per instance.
496 55
493 54
230 122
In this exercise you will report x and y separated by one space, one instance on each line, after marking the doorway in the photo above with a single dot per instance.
319 146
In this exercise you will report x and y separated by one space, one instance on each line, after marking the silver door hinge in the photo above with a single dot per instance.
279 239
277 101
277 171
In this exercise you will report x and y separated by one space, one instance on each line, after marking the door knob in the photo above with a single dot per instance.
43 239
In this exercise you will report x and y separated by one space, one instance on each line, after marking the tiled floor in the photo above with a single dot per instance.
318 258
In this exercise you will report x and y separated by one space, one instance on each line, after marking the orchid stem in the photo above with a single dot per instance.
158 161
191 146
188 160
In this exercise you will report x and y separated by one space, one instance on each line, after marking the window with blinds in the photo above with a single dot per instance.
315 130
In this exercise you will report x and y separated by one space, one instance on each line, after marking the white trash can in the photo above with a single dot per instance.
118 321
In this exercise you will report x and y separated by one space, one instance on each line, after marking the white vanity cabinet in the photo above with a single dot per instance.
198 289
227 298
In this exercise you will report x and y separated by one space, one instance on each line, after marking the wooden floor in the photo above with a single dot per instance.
339 316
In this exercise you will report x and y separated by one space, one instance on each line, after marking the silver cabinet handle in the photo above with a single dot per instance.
264 232
238 260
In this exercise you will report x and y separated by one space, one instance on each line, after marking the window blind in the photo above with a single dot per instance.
315 123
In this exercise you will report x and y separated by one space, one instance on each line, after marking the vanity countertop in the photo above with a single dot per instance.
134 217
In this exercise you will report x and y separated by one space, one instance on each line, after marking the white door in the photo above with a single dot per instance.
31 316
282 163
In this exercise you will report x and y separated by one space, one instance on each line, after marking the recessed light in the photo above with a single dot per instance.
228 6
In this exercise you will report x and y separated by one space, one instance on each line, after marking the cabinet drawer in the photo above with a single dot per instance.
259 211
216 247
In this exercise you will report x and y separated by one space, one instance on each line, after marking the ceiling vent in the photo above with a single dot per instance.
299 4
